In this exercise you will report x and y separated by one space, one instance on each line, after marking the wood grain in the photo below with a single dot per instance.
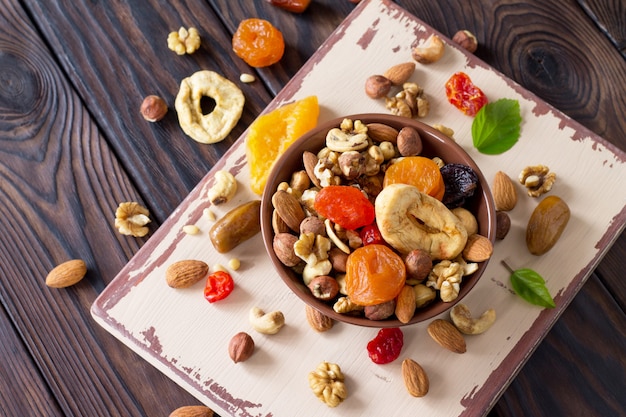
72 147
61 183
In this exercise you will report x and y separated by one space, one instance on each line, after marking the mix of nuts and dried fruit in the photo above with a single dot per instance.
375 231
373 226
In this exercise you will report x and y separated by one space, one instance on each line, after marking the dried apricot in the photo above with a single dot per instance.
418 171
374 274
258 42
272 133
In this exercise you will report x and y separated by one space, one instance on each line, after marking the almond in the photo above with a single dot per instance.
66 274
309 159
289 209
477 249
184 274
380 132
415 378
504 192
192 411
399 74
447 335
318 321
405 304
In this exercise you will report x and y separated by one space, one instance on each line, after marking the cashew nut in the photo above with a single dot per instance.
266 323
409 219
463 320
430 52
224 188
340 141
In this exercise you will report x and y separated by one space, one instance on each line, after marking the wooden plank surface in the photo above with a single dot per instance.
62 102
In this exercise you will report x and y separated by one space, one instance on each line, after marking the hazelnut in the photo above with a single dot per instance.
241 347
466 40
418 264
503 224
324 287
380 311
409 142
377 86
153 108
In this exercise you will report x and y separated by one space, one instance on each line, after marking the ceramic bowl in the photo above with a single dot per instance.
434 144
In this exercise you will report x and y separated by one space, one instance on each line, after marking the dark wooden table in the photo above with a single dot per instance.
73 146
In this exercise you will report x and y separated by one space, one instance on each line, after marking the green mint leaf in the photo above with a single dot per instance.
496 126
531 287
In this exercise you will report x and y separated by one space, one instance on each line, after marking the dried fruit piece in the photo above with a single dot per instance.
237 226
546 224
344 205
216 125
295 6
258 42
460 184
370 235
415 378
66 274
218 286
386 346
272 133
418 171
374 274
464 95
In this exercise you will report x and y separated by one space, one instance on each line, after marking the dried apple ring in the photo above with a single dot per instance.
216 125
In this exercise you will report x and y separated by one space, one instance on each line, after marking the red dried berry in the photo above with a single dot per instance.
464 95
370 235
218 286
386 346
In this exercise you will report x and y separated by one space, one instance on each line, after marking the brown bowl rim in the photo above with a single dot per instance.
294 281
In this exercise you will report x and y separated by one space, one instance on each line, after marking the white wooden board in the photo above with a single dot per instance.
186 337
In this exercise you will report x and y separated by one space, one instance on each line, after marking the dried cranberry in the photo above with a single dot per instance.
386 346
370 235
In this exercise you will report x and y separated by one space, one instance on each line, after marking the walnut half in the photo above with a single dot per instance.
131 219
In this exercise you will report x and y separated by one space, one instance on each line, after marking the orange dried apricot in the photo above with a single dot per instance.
272 133
374 274
418 171
258 42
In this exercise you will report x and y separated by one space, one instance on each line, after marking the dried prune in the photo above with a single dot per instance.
460 183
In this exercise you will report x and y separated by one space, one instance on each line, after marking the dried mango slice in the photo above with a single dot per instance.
272 133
